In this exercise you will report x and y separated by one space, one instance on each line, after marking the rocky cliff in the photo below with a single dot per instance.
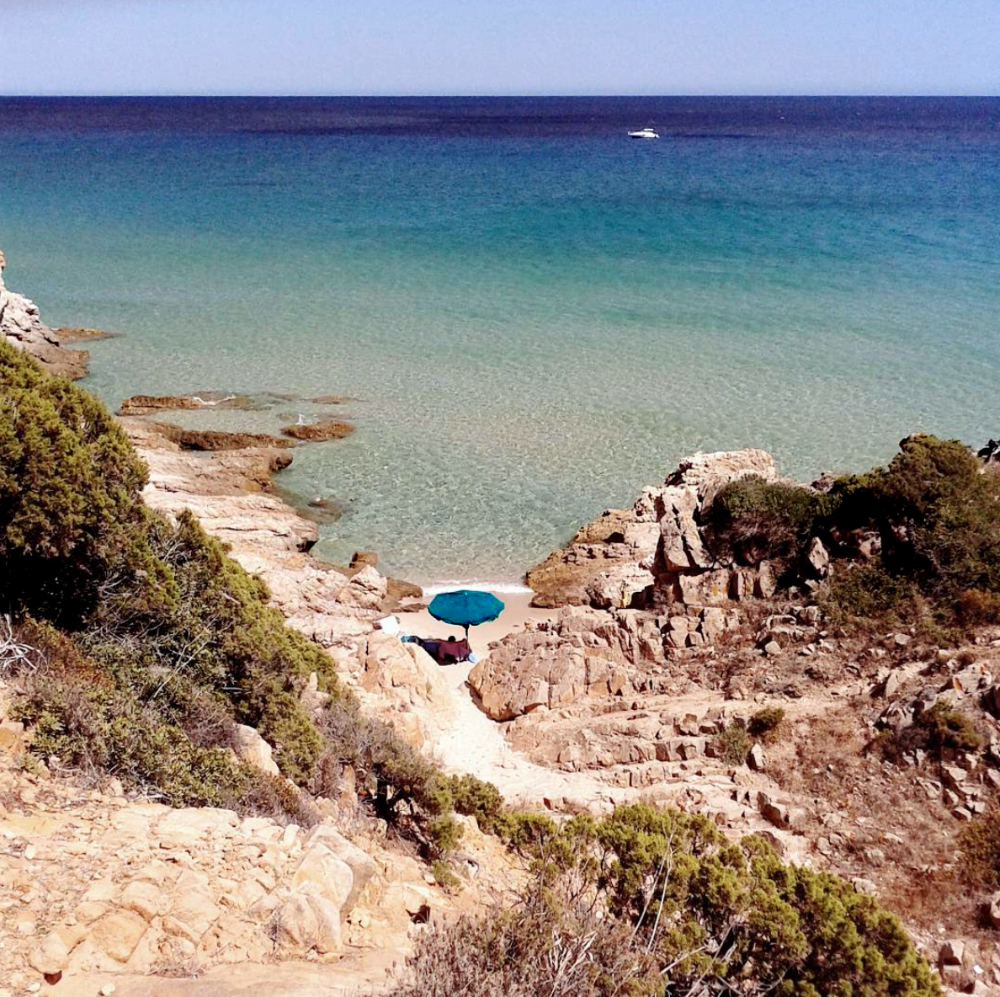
653 555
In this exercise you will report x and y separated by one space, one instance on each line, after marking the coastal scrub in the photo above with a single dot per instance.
148 645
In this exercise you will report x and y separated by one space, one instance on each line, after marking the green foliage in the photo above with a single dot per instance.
445 833
79 714
72 520
947 727
974 607
752 519
685 908
444 876
475 798
936 514
734 742
870 592
765 724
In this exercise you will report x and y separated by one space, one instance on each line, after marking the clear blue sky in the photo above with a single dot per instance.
499 46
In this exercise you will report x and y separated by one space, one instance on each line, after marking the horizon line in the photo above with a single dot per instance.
498 96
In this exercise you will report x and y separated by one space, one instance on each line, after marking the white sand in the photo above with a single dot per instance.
517 612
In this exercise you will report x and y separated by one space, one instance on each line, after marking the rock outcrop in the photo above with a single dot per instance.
231 494
653 555
22 327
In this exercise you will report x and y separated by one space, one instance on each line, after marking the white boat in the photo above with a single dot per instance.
644 133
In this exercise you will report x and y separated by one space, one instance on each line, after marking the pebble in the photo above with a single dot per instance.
107 990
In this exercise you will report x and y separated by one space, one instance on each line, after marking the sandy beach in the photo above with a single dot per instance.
517 612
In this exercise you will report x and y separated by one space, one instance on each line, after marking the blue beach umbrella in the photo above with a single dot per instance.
465 608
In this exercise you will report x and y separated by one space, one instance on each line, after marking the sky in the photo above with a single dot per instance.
335 47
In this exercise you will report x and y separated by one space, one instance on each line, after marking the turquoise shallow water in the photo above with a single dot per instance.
535 315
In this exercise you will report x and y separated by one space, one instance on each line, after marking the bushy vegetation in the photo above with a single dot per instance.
766 724
936 516
151 644
945 727
733 742
648 902
72 522
939 729
980 844
752 520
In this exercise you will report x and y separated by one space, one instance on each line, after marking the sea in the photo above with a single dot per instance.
530 315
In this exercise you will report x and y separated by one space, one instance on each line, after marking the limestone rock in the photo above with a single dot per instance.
952 952
817 558
308 922
117 934
324 429
359 862
252 748
321 873
756 759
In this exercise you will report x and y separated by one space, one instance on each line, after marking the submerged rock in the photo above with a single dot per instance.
147 404
325 429
213 439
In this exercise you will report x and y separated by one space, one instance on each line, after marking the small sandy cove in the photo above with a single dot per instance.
517 612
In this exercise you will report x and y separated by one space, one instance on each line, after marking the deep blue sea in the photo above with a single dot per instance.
535 315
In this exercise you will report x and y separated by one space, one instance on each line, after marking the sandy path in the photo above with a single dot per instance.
474 743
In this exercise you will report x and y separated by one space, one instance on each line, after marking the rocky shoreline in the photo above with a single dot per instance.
228 486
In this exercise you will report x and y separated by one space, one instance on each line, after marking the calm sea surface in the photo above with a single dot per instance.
534 315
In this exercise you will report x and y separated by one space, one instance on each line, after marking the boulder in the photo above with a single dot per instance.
323 874
252 748
817 559
361 865
305 923
993 911
952 952
367 589
582 653
117 934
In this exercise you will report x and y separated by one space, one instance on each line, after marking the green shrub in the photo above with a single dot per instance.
444 833
660 899
765 724
980 844
475 798
72 520
947 727
733 742
936 514
974 607
166 643
751 520
869 592
445 877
